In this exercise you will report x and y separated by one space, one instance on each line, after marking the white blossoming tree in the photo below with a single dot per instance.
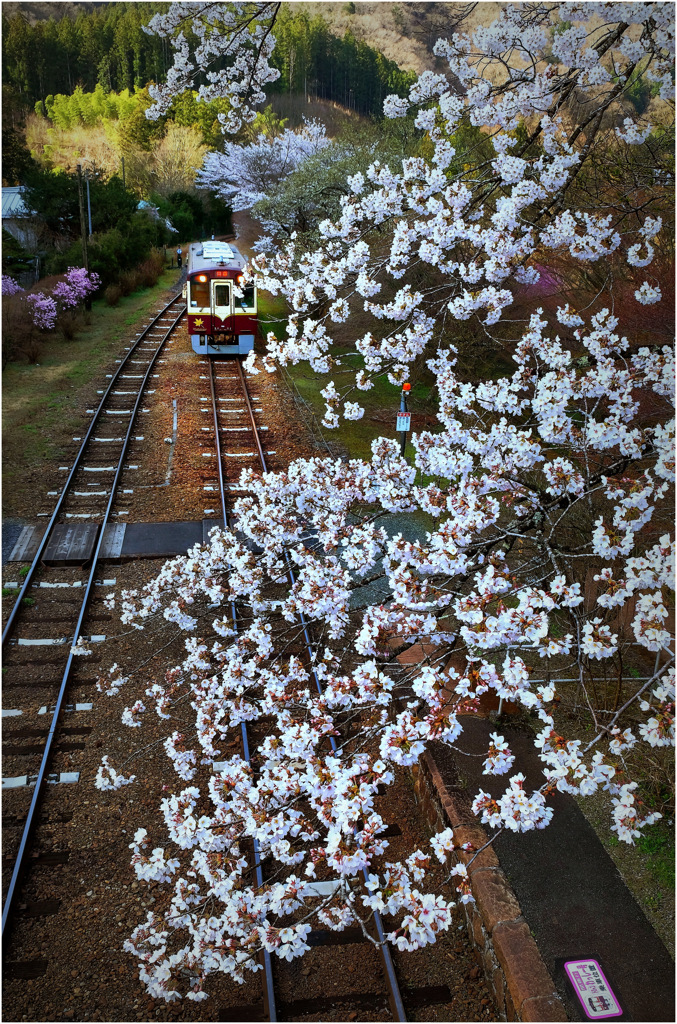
547 555
247 173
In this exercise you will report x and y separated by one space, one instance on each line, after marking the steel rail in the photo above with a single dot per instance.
395 997
76 465
270 1007
29 826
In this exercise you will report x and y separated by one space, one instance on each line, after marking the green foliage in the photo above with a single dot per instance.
113 251
16 157
106 46
186 110
659 845
23 571
107 50
15 259
194 216
54 198
641 90
348 71
266 122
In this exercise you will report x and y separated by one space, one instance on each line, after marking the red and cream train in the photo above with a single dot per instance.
221 309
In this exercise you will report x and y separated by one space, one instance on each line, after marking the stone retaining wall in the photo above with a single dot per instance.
504 947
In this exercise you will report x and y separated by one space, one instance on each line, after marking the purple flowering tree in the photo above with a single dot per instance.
74 289
26 315
10 286
42 310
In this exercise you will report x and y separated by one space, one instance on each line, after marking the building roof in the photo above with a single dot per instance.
13 204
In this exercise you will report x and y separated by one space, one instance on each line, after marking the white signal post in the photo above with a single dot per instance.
404 418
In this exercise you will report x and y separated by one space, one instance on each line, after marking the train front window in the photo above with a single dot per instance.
199 294
222 295
247 301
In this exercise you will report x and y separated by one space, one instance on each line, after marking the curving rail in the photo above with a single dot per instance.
393 990
178 307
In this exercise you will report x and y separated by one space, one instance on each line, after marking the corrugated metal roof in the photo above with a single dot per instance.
13 204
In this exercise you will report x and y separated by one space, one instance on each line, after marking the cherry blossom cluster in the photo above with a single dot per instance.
457 583
234 38
542 555
483 235
76 285
108 778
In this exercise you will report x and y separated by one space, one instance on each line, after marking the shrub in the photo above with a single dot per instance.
151 268
17 327
69 322
113 294
129 281
30 348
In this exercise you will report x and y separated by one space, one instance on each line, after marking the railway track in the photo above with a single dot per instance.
54 606
235 426
79 859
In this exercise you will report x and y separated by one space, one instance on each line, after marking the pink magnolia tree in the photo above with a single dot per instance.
547 555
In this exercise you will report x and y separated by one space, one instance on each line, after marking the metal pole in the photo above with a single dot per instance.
89 205
83 227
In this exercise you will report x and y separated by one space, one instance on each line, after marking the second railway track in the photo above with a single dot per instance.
44 638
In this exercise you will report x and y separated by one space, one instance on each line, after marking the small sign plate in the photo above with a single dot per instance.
403 421
592 989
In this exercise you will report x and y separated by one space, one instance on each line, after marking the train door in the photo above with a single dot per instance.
221 307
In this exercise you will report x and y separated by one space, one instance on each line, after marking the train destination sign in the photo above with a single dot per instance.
592 989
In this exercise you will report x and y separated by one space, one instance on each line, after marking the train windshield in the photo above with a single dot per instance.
247 301
222 295
199 293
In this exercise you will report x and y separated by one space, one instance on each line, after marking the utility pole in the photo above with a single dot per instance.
89 207
83 231
83 223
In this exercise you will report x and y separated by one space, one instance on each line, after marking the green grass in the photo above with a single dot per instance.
43 403
381 403
28 602
658 843
356 436
272 314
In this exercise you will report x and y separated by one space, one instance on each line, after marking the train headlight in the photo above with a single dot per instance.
203 338
202 277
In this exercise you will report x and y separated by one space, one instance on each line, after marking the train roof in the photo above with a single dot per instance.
206 255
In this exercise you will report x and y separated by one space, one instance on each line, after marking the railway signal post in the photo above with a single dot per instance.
404 418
